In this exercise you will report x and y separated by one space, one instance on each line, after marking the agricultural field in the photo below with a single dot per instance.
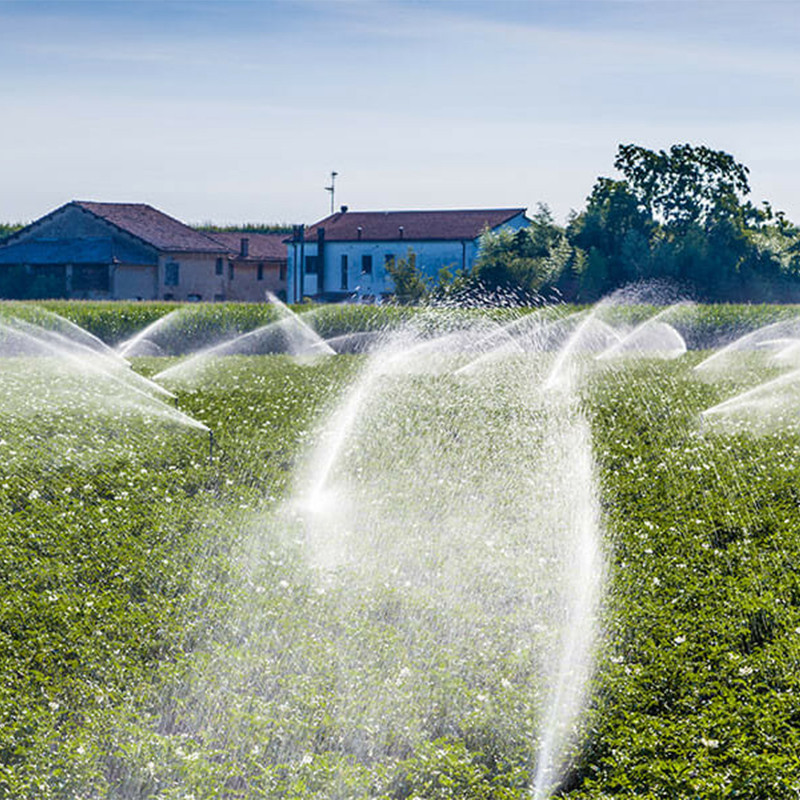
162 634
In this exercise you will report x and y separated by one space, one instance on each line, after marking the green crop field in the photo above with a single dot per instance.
159 638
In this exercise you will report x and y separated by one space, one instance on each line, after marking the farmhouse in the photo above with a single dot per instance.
132 251
345 254
256 264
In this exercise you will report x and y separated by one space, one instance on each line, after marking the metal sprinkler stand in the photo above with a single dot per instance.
210 446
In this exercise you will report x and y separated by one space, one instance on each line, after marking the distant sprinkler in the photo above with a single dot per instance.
332 188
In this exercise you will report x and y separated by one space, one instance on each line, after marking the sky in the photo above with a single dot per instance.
238 111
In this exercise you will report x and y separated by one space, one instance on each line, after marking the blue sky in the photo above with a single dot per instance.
238 111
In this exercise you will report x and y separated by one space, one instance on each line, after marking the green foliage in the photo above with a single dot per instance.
529 260
411 286
695 697
7 228
446 769
246 227
122 552
681 215
684 186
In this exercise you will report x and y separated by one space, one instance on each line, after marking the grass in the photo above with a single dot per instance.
132 666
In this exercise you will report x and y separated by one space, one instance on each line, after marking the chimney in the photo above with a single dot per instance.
344 209
400 231
244 248
359 231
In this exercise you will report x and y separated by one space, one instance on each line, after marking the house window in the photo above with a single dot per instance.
344 272
172 275
194 298
89 278
169 296
260 272
282 272
218 267
366 265
230 270
388 258
311 265
219 298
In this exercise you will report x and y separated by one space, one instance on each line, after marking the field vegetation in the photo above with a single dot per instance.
131 575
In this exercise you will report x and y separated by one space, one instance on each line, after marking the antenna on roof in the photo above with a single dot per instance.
332 187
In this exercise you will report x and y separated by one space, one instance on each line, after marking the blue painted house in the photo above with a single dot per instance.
345 254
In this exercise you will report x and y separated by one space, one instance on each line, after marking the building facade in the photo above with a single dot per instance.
132 251
345 255
256 264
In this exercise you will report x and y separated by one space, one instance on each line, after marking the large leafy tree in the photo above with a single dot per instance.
685 185
682 214
616 233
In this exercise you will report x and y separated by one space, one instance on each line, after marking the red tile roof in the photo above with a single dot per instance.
416 225
152 226
261 246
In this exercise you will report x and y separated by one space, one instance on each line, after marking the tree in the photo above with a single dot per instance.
7 228
681 214
617 234
685 185
411 285
528 260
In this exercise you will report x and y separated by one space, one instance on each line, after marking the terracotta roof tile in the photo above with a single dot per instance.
261 246
416 225
152 226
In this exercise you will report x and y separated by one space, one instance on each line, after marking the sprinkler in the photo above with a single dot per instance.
210 446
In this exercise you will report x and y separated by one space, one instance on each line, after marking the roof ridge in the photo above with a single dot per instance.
351 211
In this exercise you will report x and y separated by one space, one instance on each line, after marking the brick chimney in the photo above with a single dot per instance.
244 247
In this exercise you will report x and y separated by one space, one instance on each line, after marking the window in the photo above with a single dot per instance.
218 267
366 265
388 258
194 298
260 273
219 298
172 273
311 265
230 270
87 278
344 272
282 272
169 296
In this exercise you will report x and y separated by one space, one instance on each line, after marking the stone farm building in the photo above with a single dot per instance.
132 251
345 254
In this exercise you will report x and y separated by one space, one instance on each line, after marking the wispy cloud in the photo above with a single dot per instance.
224 106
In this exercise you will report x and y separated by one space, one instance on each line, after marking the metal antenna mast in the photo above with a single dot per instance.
332 187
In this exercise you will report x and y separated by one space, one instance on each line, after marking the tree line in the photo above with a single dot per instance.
680 215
